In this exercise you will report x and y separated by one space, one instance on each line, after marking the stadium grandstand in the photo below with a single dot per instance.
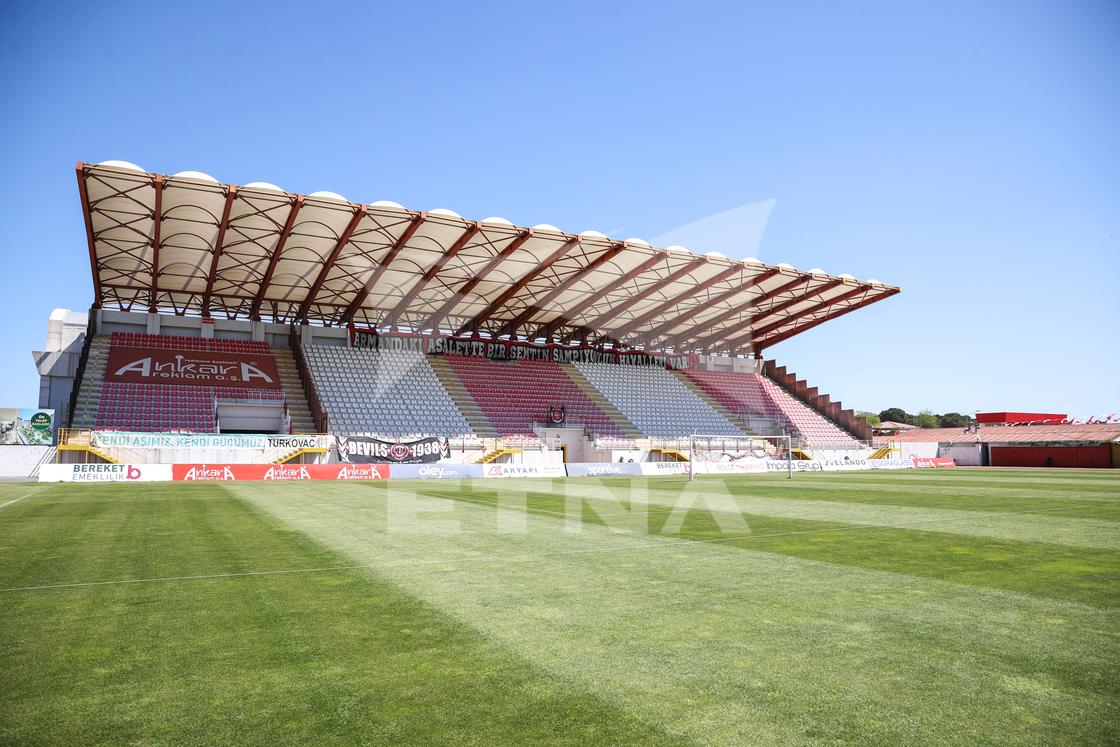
224 309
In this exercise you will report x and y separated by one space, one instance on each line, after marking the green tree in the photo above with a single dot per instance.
954 420
895 415
926 419
871 418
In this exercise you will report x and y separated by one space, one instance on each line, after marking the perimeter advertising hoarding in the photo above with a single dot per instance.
603 469
443 470
194 367
523 470
370 450
104 473
210 440
928 462
278 472
27 426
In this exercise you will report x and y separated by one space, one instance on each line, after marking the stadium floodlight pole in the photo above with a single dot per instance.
285 232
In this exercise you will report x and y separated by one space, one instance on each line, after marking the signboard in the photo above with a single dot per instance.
741 467
370 450
209 440
523 470
284 472
29 427
442 471
104 472
930 462
664 468
603 469
196 367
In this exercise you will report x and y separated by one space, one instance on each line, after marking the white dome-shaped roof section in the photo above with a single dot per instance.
846 276
497 220
329 196
785 266
387 204
196 175
715 255
636 241
123 165
817 271
445 213
592 235
269 186
752 261
547 227
678 249
873 281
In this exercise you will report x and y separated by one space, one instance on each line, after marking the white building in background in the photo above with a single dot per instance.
57 362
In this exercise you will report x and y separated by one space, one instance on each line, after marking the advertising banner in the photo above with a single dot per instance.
741 467
928 462
233 472
523 470
105 473
209 440
370 450
28 427
664 468
891 463
603 469
196 367
443 470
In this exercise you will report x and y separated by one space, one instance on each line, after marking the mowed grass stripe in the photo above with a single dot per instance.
332 658
726 645
1085 575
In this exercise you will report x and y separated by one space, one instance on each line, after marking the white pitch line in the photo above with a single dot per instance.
16 500
664 543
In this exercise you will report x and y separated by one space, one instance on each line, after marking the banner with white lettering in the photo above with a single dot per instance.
132 440
195 367
104 472
370 450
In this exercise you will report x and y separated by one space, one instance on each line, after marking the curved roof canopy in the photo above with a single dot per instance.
189 245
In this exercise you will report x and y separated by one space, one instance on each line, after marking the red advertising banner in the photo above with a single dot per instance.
926 462
198 367
233 472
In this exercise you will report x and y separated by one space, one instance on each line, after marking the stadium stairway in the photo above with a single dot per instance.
463 400
833 412
294 394
89 389
715 404
620 420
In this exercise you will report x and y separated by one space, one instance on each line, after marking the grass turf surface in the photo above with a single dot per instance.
955 607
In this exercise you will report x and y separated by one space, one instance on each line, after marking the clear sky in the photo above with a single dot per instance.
967 151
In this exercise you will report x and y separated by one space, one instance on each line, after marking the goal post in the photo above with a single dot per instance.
738 454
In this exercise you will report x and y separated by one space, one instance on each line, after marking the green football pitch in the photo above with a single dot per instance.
966 607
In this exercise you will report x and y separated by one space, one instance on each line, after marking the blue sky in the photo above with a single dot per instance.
965 151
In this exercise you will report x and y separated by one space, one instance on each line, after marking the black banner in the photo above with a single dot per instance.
369 450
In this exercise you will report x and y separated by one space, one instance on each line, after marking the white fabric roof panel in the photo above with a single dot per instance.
188 245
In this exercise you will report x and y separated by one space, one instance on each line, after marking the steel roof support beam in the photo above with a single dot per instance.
573 313
254 310
710 340
231 194
518 286
759 344
699 308
761 332
383 265
157 222
533 309
645 293
432 271
328 263
83 192
670 303
468 286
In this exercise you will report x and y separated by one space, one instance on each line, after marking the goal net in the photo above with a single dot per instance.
722 455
